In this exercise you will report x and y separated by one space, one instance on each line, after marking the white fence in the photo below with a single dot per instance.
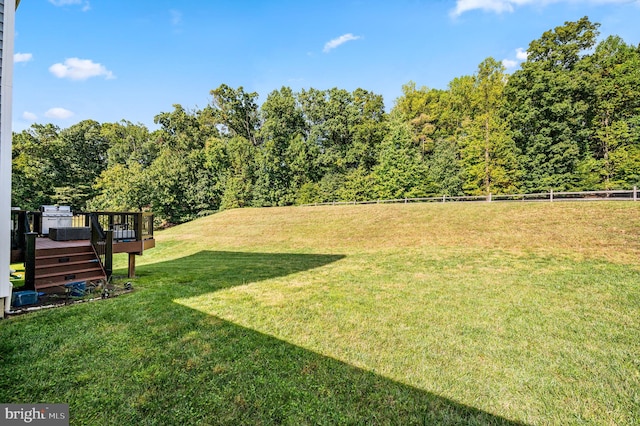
616 195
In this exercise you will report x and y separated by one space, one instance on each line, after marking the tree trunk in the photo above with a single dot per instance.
487 179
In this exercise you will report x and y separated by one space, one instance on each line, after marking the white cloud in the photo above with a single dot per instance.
521 54
176 17
339 41
509 63
29 116
64 2
59 113
22 57
80 69
497 6
500 6
85 3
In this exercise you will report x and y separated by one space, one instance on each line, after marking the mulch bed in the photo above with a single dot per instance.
94 292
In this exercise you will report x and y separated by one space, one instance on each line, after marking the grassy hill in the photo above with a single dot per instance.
481 313
606 231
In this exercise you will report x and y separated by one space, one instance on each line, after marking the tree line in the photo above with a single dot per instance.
568 119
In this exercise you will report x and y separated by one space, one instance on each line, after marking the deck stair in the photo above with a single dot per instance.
56 267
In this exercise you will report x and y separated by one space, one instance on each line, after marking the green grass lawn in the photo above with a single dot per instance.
493 313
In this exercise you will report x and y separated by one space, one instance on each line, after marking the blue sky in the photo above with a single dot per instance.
110 60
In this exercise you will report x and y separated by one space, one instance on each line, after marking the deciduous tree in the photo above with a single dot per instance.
548 106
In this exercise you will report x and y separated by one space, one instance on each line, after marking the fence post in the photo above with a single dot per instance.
489 197
551 196
635 193
443 198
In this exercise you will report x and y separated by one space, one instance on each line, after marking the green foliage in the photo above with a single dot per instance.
345 128
239 179
283 122
329 186
129 143
548 101
400 172
236 111
357 186
121 188
57 166
422 108
369 129
308 193
34 169
444 168
74 196
615 71
488 154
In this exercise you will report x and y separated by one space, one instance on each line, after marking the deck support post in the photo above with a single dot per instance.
108 254
30 262
132 265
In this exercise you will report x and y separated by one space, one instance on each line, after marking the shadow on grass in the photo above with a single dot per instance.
208 271
142 359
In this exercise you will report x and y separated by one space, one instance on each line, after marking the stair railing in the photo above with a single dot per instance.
102 242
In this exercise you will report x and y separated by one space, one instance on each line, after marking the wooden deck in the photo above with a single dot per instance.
46 243
124 232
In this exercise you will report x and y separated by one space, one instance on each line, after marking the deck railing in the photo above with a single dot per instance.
19 227
102 242
124 227
22 223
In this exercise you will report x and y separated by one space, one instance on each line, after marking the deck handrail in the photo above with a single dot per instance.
102 242
96 227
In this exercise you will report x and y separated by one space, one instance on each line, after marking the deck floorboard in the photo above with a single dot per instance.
46 243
